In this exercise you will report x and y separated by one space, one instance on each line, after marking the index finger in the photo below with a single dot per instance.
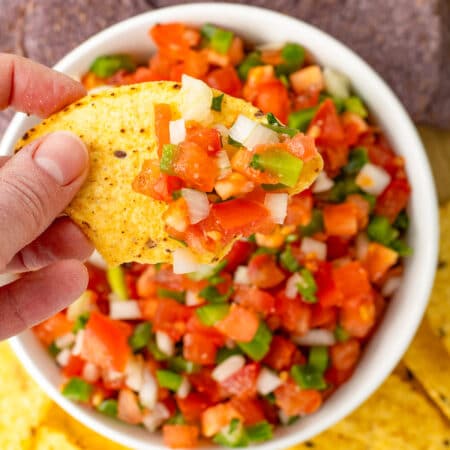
33 88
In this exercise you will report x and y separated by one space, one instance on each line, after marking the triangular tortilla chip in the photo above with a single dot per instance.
117 125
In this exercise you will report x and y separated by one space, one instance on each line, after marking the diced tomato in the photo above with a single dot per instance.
206 385
196 64
225 79
306 100
380 154
295 315
105 342
206 138
174 39
112 379
334 158
379 260
160 65
251 409
209 333
148 308
280 354
198 349
362 209
323 317
336 377
193 406
195 166
172 317
328 293
299 209
239 254
164 277
163 115
128 409
264 272
180 436
274 98
97 280
353 282
359 319
74 367
236 51
55 326
354 127
302 146
294 401
240 324
307 79
217 417
345 355
150 181
337 247
327 121
255 299
241 162
243 382
341 220
239 217
393 199
145 285
258 76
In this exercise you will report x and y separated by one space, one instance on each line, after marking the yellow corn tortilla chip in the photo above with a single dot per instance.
438 312
49 439
22 403
430 364
124 225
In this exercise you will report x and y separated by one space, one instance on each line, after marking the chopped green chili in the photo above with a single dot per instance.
141 336
77 389
108 407
108 65
116 280
258 347
216 103
211 314
307 286
168 379
308 377
288 260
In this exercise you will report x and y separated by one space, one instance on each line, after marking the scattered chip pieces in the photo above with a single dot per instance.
438 312
119 221
430 364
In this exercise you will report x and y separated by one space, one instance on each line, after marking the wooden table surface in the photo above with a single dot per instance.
437 144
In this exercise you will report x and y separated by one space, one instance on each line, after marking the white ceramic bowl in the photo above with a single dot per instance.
405 310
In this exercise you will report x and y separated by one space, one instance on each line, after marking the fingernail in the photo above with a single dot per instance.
63 156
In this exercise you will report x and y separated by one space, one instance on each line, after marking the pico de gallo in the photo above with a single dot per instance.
264 337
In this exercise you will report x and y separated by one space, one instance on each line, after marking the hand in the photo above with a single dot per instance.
35 186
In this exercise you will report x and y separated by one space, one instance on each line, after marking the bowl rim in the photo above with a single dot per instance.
353 397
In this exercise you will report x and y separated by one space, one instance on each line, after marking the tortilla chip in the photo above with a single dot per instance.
124 225
330 440
438 312
22 403
49 439
430 364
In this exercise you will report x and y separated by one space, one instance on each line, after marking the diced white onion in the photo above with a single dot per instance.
177 131
223 163
323 183
134 373
184 389
267 381
97 89
76 349
372 179
148 394
196 99
241 275
113 376
197 203
284 418
184 261
80 306
242 128
291 290
152 420
390 286
228 367
124 310
63 357
261 135
165 343
193 299
277 206
64 341
222 129
97 260
336 83
90 373
310 246
361 246
316 337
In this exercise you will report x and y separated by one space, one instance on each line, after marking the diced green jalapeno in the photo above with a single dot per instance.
288 260
168 379
260 432
106 66
108 407
80 322
300 119
216 103
258 347
232 436
141 336
211 314
357 158
401 247
355 105
179 296
116 280
318 358
307 287
341 334
293 55
77 389
380 230
212 295
169 153
181 365
252 60
308 377
315 225
225 352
